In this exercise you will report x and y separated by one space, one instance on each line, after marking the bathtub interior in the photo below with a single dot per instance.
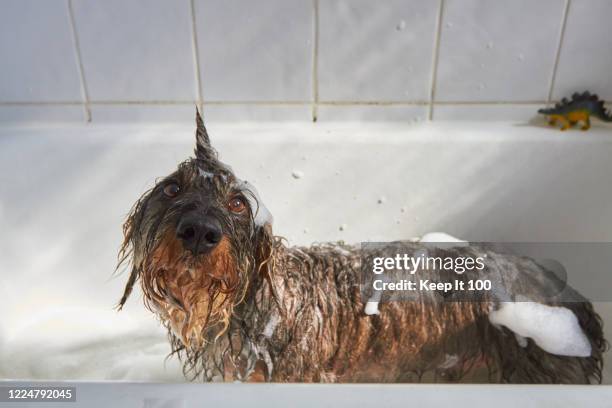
67 188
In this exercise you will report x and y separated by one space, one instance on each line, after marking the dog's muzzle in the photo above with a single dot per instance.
200 234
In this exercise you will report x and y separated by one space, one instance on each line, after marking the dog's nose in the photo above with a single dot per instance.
199 234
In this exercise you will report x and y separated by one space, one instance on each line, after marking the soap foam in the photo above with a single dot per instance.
555 329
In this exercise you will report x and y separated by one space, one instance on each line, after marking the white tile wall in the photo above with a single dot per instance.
493 50
372 113
585 61
376 50
125 113
136 50
255 50
487 112
37 58
329 60
10 114
257 112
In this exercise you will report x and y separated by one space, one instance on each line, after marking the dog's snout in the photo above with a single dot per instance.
199 234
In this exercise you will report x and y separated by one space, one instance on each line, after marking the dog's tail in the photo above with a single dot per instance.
529 363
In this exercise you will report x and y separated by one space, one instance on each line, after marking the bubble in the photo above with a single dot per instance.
400 26
382 200
297 174
342 227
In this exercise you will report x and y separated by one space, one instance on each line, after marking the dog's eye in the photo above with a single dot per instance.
236 205
171 190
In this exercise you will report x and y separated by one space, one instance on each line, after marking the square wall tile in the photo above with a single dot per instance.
255 50
498 50
118 113
372 113
585 62
136 50
488 112
257 113
28 114
376 50
38 60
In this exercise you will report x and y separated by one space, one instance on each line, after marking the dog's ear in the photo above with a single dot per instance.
126 253
264 250
265 258
203 149
126 256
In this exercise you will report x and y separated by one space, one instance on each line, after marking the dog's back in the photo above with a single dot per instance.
308 321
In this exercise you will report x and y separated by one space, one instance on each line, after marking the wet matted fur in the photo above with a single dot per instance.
254 309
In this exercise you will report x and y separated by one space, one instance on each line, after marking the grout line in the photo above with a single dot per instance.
154 102
434 63
553 77
315 60
372 103
494 103
196 55
43 103
276 103
188 102
79 60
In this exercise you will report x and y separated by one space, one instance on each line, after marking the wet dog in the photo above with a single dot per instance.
239 304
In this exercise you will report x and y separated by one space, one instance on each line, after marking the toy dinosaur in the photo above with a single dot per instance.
579 109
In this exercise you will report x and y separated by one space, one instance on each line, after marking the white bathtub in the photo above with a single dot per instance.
65 191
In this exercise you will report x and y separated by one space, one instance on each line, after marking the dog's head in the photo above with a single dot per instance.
196 241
